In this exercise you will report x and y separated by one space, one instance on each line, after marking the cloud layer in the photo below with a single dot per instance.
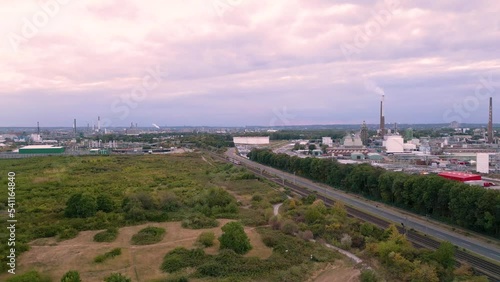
246 62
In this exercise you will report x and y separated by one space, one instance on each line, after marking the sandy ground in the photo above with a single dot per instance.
141 263
338 272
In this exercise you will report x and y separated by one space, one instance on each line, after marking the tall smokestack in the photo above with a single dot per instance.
38 127
490 123
98 123
74 125
382 118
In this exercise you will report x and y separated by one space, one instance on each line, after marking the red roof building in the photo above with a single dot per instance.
459 176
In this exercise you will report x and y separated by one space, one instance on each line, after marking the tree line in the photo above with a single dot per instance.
471 207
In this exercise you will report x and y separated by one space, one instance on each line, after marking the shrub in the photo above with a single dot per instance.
235 238
117 277
269 241
306 235
180 258
109 235
289 227
368 276
30 276
68 233
199 221
71 276
111 254
149 235
80 206
104 203
206 239
346 241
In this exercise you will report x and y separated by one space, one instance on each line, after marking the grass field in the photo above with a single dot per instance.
141 191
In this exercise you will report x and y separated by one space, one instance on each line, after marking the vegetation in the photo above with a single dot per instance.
71 276
30 276
467 206
111 254
290 261
149 235
117 277
108 235
235 238
61 195
199 221
206 239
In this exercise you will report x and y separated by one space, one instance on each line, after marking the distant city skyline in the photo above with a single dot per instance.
237 63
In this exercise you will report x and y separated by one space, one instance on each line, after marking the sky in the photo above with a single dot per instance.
247 62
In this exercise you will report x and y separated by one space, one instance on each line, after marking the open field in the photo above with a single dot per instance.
133 192
141 263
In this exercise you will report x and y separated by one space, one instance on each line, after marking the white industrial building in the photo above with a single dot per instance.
483 163
396 144
36 138
251 140
327 141
353 141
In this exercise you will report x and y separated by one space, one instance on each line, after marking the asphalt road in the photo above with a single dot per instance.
409 220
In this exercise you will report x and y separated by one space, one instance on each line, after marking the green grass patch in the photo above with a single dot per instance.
149 235
108 235
111 254
30 276
199 221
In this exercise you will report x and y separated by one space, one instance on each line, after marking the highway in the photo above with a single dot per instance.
410 221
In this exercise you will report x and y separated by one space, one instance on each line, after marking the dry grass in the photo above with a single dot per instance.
141 263
338 272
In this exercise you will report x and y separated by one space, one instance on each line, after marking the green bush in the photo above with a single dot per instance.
269 241
149 235
368 276
180 258
235 238
80 206
105 203
206 239
30 276
68 233
117 277
71 276
109 235
111 254
199 221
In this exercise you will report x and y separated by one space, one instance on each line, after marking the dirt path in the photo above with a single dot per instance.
276 208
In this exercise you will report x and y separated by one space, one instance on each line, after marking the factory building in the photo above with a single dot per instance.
483 163
459 176
395 144
352 141
41 149
251 140
327 141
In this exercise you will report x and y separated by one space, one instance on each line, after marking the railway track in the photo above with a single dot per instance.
480 266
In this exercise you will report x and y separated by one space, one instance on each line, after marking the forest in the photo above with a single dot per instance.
470 207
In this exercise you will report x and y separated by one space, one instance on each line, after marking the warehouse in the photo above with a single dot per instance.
251 140
41 149
460 176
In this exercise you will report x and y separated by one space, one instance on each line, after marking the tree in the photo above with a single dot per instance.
71 276
104 203
444 255
81 206
234 238
117 277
